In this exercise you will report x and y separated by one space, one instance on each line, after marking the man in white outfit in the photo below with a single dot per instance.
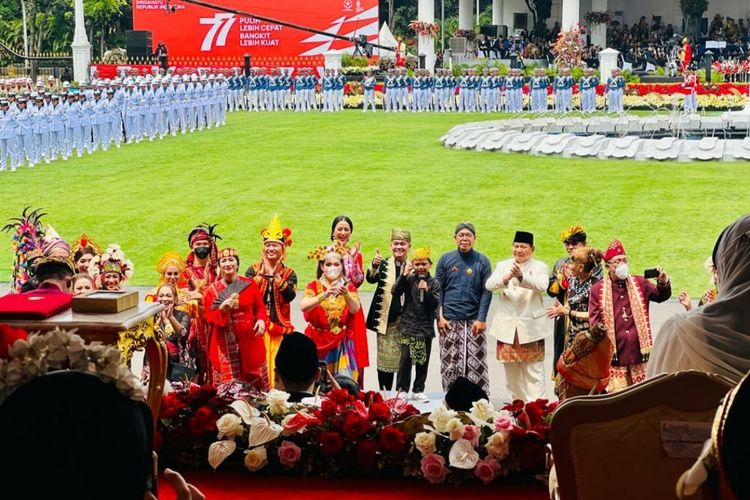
520 324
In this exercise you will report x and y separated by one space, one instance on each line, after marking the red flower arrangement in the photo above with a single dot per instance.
349 435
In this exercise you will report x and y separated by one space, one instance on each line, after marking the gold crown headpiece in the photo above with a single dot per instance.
319 253
571 231
228 252
421 253
276 232
170 259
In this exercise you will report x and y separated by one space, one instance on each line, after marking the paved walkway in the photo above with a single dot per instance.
498 393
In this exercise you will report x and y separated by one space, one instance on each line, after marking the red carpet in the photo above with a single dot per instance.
236 485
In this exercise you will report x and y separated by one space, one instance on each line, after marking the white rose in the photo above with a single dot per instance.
277 404
256 459
229 425
498 445
455 428
425 442
483 410
440 417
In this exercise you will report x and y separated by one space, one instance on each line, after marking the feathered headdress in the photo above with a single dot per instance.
111 261
574 233
204 232
319 253
27 243
276 232
87 243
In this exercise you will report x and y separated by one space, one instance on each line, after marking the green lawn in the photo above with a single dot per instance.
382 170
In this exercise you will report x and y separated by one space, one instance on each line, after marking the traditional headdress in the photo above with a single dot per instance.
58 262
275 232
320 253
228 252
421 253
53 244
573 234
170 259
524 237
28 238
615 249
465 225
204 232
400 234
85 244
111 261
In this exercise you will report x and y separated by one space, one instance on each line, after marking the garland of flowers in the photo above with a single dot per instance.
424 28
568 48
594 18
39 354
348 435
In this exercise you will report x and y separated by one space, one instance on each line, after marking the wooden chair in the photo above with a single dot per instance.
611 446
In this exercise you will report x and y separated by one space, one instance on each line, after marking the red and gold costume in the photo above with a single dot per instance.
332 327
235 352
334 330
278 291
622 306
197 277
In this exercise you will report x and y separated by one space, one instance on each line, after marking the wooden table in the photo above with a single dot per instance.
130 330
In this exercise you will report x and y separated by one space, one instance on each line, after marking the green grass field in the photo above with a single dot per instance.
382 170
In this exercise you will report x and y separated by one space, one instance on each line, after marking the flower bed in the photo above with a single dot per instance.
350 436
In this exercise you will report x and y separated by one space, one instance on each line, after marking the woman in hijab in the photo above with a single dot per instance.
714 338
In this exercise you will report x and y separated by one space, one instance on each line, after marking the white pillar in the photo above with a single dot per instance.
570 14
465 14
426 43
333 59
607 62
497 12
598 35
599 31
81 47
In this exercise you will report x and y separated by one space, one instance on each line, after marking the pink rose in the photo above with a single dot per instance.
433 468
486 471
471 434
503 423
289 453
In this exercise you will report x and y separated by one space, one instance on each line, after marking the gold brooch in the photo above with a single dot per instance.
469 271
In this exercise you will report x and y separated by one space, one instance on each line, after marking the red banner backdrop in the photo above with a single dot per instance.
192 33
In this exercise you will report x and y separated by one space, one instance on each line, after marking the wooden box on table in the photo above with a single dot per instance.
129 329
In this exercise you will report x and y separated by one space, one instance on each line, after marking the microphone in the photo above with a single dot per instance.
421 293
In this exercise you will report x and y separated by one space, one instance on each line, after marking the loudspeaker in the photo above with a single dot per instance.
138 43
489 30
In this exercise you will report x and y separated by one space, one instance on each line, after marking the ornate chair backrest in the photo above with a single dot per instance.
634 444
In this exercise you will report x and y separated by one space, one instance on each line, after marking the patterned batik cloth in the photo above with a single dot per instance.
622 377
533 352
389 349
463 354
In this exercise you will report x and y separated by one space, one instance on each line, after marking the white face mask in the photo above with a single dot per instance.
332 273
622 271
